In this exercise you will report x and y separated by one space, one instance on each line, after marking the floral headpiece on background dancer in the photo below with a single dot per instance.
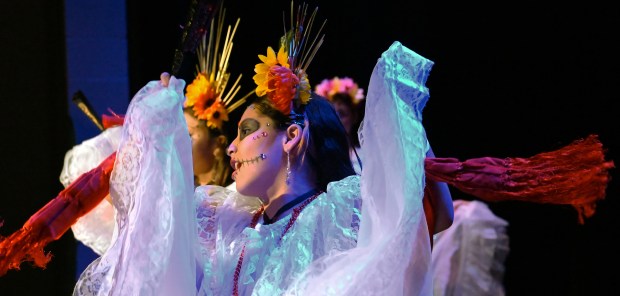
330 88
209 99
207 95
282 77
345 94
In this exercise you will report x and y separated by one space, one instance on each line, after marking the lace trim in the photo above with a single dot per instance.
124 179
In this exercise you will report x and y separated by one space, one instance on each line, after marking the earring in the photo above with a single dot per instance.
288 168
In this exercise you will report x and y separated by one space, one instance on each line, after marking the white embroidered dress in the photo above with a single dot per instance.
169 243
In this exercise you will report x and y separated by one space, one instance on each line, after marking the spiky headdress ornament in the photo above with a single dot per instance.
207 94
282 76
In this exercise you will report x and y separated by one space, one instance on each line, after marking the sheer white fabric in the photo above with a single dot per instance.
271 261
323 253
96 228
468 257
151 188
90 153
393 255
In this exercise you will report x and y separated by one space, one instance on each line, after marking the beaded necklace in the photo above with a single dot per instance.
291 221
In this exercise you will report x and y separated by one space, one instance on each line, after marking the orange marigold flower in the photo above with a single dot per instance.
284 85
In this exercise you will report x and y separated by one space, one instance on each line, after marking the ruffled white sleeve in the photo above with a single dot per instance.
223 215
393 254
151 188
96 228
468 257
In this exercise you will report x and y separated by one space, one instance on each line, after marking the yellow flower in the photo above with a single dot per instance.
336 86
202 97
216 114
262 70
200 93
304 88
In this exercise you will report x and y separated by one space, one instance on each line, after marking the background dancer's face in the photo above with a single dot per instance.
207 149
257 154
345 114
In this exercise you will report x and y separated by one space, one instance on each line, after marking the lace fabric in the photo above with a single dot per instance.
87 155
150 188
96 229
326 225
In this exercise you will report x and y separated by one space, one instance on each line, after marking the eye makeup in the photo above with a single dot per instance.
247 127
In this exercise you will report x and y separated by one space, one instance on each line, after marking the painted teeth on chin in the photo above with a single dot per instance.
240 163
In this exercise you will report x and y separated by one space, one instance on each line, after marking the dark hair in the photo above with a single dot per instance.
328 147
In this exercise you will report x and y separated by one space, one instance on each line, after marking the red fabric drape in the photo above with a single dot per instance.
55 218
112 120
575 175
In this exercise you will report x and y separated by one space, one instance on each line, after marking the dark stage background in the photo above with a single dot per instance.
508 80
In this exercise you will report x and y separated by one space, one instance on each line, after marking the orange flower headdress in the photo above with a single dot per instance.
207 95
328 88
282 76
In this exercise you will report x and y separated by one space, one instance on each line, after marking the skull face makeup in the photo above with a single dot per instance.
257 154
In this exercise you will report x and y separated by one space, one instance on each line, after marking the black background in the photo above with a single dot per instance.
509 80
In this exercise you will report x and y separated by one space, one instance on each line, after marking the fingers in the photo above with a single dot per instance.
164 78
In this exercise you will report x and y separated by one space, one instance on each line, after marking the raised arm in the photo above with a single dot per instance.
393 251
437 195
151 188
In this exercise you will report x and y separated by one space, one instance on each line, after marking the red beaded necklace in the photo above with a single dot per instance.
291 221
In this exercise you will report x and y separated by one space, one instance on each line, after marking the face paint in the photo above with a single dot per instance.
247 127
263 134
257 154
240 163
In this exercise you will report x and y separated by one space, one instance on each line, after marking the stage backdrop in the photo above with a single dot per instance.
507 81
